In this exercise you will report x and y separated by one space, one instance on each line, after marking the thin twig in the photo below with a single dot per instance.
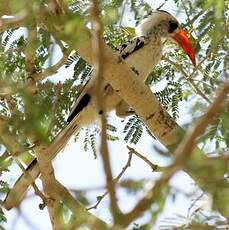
14 22
181 154
115 180
154 167
189 19
195 131
200 63
5 155
10 104
30 68
150 197
132 151
194 203
188 78
97 49
54 68
158 8
8 140
36 189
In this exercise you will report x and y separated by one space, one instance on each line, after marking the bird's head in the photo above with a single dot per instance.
161 24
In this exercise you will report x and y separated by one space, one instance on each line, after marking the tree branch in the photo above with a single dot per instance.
115 181
57 192
9 140
187 145
153 167
97 49
188 78
12 23
54 68
182 153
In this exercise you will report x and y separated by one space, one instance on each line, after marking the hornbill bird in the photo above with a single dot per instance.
141 54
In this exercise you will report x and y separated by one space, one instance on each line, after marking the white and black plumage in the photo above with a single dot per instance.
141 55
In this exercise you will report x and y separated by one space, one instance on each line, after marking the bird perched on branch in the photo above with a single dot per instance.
141 54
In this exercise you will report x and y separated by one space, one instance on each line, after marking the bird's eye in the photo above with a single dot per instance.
172 26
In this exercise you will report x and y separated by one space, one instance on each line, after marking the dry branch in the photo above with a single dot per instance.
187 145
97 49
115 180
57 192
153 167
182 154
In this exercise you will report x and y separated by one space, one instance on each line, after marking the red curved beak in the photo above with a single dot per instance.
184 42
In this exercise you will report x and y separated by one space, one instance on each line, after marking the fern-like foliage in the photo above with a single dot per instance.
133 129
170 97
90 140
115 35
92 134
81 69
81 7
72 59
198 220
6 37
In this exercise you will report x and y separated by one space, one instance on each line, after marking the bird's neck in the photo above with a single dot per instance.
155 35
144 60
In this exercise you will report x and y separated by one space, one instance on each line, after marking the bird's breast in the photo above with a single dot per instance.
144 60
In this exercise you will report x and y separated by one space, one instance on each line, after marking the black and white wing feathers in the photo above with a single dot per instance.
126 49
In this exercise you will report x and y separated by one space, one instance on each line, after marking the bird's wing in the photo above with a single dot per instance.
82 100
124 51
127 48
